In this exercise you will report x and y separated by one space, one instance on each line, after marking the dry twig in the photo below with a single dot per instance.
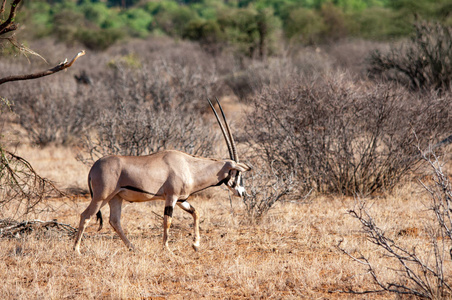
21 188
417 277
62 66
14 229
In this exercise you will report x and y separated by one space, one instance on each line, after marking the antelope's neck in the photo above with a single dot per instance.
210 173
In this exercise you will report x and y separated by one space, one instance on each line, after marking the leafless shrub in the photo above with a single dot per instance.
352 54
252 77
426 277
132 130
21 188
53 117
164 83
342 136
440 191
425 62
265 187
416 275
170 75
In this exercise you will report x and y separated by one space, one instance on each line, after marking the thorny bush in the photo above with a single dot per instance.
264 187
53 116
21 188
421 271
424 63
132 130
342 136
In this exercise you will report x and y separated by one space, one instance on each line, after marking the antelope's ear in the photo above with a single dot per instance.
242 167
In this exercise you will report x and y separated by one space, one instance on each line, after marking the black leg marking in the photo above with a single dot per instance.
168 211
192 209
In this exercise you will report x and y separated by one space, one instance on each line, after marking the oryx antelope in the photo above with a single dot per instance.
167 175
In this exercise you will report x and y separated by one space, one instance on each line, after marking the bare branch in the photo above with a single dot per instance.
14 229
21 188
23 49
266 187
9 24
420 278
62 66
2 7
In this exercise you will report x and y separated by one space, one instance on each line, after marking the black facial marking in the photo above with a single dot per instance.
224 181
237 180
135 189
168 211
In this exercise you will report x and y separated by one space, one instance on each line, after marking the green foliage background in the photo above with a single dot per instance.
253 27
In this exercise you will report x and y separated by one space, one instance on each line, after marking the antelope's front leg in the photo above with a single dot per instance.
170 202
191 210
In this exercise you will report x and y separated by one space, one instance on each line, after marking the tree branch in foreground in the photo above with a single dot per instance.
21 188
62 66
9 24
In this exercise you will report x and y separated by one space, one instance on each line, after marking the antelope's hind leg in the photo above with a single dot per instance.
191 210
85 217
115 220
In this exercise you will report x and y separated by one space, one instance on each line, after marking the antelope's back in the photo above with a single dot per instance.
153 173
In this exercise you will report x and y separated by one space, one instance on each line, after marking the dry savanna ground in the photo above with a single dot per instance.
291 254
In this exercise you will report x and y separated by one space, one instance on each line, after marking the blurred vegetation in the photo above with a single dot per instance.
425 62
252 27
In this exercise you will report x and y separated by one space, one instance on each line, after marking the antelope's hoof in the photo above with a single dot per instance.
196 247
166 249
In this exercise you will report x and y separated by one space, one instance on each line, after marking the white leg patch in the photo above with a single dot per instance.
185 205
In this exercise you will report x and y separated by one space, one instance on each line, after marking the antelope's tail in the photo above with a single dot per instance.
101 221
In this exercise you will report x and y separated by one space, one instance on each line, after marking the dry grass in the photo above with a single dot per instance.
57 164
291 255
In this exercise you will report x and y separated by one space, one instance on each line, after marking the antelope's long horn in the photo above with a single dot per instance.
231 139
222 130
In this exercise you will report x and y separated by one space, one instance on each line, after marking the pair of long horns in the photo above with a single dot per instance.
227 136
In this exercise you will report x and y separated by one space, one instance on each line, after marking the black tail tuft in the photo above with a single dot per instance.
101 221
90 188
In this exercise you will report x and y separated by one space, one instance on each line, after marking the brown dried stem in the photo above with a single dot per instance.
9 24
60 67
21 188
14 229
417 276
